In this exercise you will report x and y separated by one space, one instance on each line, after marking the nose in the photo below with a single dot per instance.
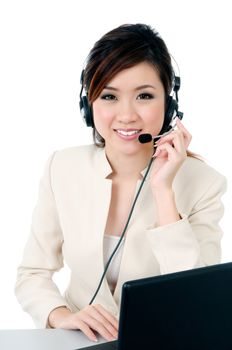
127 113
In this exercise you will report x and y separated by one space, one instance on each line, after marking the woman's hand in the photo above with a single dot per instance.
91 318
170 154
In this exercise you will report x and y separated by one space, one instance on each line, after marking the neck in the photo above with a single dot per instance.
128 166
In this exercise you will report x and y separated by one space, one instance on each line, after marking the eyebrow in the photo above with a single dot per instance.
137 88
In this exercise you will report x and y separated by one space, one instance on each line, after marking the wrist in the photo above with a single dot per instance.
166 210
162 193
57 316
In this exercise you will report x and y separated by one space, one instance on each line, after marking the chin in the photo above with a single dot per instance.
132 148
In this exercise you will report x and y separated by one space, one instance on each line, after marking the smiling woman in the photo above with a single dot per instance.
88 193
132 103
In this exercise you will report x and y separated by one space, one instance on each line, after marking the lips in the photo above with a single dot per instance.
128 134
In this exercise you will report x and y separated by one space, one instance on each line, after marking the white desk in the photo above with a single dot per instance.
44 339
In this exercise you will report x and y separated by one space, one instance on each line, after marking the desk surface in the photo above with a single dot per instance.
44 339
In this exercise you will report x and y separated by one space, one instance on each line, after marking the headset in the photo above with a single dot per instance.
172 107
85 108
171 110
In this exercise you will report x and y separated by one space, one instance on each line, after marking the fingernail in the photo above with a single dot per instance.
112 338
156 152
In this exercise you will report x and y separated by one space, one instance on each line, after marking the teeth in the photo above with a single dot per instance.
127 133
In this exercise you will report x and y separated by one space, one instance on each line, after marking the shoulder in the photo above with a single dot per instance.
73 159
196 176
194 167
72 153
85 156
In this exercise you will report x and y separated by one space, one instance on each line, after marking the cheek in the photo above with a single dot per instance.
155 117
97 113
101 117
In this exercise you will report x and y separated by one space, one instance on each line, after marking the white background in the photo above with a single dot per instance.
43 45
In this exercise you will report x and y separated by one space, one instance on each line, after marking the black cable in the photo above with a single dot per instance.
123 233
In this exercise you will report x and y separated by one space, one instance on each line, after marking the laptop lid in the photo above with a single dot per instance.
189 310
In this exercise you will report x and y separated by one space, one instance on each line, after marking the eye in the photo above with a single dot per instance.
108 97
145 96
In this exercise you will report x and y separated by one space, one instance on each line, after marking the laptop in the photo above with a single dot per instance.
188 310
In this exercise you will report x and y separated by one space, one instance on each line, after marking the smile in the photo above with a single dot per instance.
129 134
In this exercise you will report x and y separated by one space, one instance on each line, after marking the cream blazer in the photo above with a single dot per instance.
68 225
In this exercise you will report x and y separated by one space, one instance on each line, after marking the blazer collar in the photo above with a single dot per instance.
104 167
102 163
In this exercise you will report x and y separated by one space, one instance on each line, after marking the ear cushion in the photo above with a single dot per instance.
86 111
171 107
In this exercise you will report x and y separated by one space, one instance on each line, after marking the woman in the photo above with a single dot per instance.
87 192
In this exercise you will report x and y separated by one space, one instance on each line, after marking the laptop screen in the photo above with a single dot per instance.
184 310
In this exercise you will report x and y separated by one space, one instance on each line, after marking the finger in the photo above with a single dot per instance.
186 133
113 320
176 139
104 319
164 139
165 147
99 327
160 154
98 322
86 330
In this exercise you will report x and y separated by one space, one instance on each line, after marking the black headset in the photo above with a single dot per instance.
171 109
85 108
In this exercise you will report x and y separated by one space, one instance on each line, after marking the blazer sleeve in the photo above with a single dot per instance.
35 289
193 241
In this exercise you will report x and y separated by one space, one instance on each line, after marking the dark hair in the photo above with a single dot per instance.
122 48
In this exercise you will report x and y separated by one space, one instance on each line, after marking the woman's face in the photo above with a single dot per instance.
132 103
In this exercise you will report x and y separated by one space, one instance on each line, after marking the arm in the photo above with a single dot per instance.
193 240
35 288
92 317
169 156
167 212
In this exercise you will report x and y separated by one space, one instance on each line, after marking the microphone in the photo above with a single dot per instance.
144 138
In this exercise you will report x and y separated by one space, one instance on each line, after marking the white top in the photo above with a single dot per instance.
110 243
